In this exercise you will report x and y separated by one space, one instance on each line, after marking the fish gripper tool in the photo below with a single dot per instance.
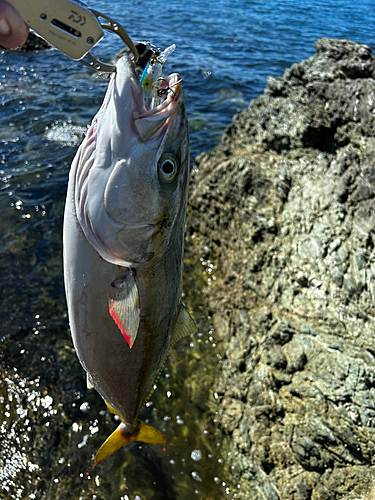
73 28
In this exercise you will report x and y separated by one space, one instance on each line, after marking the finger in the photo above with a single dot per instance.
13 31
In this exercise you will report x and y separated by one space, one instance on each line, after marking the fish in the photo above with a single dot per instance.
123 240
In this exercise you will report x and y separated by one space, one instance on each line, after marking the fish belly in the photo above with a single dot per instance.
113 369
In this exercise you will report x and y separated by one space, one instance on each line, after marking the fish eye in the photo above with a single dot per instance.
168 168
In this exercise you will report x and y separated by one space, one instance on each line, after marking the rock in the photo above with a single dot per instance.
284 206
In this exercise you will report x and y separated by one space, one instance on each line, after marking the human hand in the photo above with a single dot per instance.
13 31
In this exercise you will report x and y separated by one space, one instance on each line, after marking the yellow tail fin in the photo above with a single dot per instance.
120 437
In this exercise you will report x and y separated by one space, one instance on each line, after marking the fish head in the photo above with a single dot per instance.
132 174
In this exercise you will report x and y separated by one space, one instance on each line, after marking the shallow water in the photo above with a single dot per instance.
51 425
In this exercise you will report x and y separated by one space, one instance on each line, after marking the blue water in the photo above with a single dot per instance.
225 51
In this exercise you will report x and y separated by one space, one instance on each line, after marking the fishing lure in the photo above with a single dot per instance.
153 71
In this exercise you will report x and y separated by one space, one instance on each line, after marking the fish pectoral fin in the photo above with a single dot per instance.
125 307
121 436
185 325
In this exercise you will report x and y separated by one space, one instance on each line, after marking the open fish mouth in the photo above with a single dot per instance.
150 112
166 99
154 121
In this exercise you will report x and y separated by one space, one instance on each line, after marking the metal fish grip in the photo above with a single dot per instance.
71 27
116 28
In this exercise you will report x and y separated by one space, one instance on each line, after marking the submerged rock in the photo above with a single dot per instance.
285 207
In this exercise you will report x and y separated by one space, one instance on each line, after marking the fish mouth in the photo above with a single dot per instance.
149 116
170 89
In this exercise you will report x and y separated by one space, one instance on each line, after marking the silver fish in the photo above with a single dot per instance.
123 247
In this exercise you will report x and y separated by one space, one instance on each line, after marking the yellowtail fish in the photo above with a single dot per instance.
123 247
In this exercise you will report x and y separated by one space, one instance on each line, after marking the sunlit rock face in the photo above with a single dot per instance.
287 213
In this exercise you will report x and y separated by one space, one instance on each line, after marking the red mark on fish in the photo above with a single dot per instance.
117 320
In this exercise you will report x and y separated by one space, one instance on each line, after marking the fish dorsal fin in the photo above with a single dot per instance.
185 325
125 307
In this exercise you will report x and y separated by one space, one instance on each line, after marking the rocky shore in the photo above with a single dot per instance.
285 207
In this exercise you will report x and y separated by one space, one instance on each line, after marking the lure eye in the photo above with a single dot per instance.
168 168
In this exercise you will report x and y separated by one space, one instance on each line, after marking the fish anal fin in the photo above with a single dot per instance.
88 382
124 308
121 436
185 325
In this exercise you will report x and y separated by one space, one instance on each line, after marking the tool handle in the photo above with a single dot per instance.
67 25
